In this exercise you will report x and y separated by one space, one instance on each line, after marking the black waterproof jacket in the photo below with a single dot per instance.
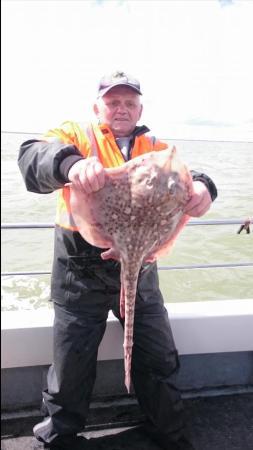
77 267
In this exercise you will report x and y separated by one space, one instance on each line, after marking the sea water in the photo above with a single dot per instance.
229 164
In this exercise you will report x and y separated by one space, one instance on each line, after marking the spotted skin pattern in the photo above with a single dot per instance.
136 216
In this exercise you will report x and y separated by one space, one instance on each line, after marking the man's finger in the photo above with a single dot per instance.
90 179
191 204
198 210
100 173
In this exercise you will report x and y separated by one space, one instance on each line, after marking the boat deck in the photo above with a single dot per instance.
223 422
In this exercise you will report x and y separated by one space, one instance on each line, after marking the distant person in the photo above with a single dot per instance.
245 226
84 287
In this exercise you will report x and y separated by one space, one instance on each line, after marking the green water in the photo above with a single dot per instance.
230 165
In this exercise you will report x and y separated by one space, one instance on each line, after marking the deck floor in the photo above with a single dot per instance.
215 423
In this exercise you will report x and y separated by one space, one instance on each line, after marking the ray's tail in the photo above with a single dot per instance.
129 278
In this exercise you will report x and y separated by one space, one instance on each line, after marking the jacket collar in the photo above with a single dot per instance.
138 131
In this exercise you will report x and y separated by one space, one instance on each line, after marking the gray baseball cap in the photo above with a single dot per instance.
118 78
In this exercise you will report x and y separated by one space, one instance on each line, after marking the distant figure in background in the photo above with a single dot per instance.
245 226
85 287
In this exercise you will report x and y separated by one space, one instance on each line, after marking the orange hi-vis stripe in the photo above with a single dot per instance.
94 140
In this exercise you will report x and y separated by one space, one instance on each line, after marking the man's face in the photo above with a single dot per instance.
120 109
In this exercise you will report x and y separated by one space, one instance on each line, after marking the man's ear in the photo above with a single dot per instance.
96 109
141 109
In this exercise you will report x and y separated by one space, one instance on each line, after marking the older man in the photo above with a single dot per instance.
84 287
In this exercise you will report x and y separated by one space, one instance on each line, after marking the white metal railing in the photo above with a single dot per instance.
10 226
14 226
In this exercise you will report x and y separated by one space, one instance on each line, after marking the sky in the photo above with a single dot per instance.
192 57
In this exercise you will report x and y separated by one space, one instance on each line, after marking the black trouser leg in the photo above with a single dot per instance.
77 335
154 362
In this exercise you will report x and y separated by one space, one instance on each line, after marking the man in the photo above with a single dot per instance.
85 288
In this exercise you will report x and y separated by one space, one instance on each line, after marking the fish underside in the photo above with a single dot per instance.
136 216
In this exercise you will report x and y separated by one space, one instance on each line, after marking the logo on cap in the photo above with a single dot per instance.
118 79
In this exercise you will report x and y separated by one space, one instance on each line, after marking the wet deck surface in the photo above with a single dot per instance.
215 423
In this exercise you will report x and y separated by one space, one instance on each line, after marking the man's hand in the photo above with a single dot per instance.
87 174
200 201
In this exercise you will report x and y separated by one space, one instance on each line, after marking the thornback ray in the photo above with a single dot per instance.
136 217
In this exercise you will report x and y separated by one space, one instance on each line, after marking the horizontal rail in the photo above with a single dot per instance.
20 226
35 272
13 226
236 141
10 226
206 266
179 267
